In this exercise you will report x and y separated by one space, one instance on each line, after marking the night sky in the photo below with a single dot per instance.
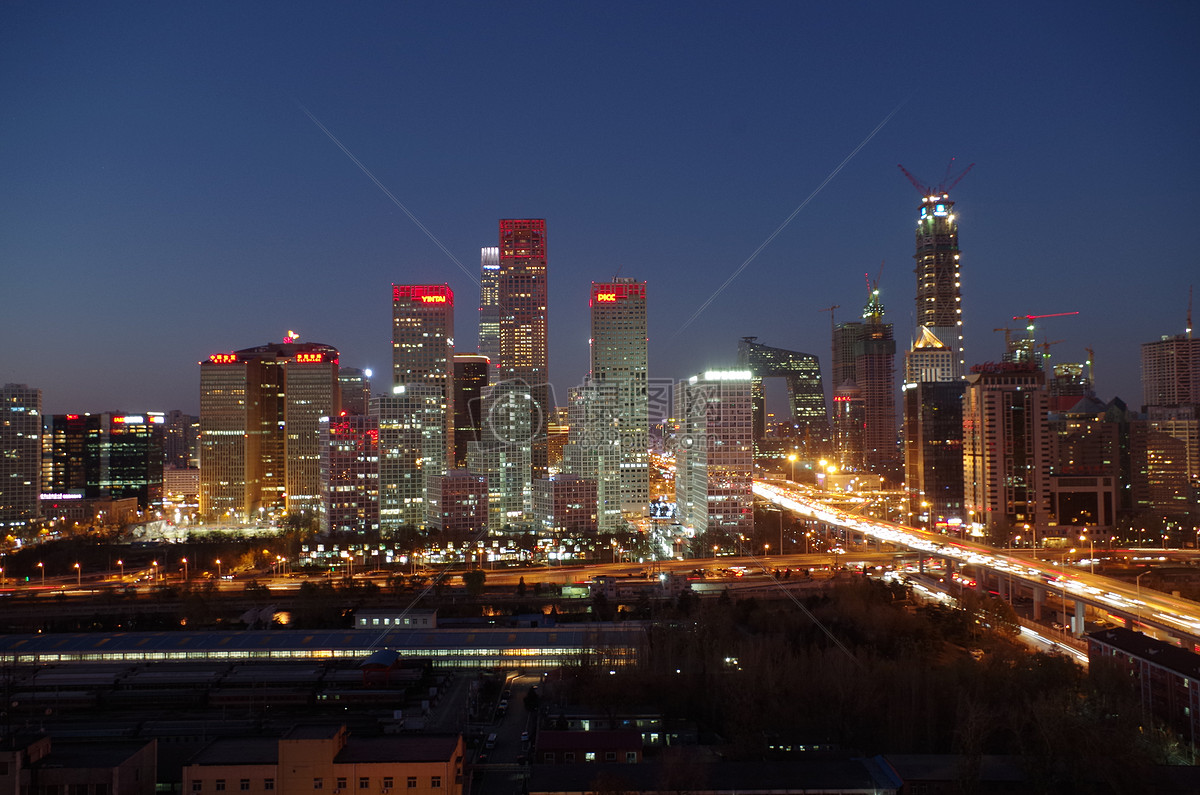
166 196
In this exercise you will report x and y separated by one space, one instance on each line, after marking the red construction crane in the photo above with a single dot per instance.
944 186
1030 318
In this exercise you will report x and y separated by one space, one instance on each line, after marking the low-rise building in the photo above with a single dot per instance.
328 758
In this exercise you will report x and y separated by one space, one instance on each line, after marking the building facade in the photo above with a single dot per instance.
489 303
619 360
260 429
801 373
20 454
350 474
939 294
933 451
106 456
1006 447
714 456
411 423
564 506
865 354
355 386
1171 371
470 379
459 504
423 353
593 448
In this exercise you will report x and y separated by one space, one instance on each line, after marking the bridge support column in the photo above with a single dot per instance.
1079 620
1039 597
981 579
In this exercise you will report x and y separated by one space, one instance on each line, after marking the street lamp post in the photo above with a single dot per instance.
121 563
1139 593
78 576
185 570
791 467
154 568
1092 554
1064 589
42 566
218 570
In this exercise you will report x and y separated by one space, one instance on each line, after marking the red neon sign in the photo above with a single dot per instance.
423 293
310 358
223 358
72 416
611 292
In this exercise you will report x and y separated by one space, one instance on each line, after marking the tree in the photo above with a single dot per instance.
474 580
521 587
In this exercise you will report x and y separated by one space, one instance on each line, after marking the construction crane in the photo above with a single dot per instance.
1188 329
1007 337
1045 346
1030 318
942 187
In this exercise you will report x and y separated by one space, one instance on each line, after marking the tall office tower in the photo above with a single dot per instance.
524 358
412 431
489 303
939 297
1171 371
593 448
1086 465
1070 384
806 396
620 360
355 387
564 506
865 354
1182 423
179 439
470 378
350 474
849 421
260 428
504 454
714 459
933 450
1160 471
20 454
1006 447
106 456
423 352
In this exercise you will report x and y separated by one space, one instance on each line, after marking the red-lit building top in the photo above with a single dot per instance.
423 293
608 293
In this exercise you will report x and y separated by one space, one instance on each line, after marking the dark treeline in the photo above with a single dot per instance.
751 671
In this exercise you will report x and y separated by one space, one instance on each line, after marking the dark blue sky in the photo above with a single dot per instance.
164 196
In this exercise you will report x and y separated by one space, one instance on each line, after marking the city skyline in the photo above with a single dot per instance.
169 195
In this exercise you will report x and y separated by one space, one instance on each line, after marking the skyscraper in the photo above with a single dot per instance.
423 353
806 396
619 360
260 434
1006 447
939 297
864 354
593 448
355 386
489 303
20 454
470 379
106 456
714 457
1171 371
522 296
350 473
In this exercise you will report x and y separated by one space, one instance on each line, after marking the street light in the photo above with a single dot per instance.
185 570
1139 592
792 467
218 569
154 564
1092 542
78 576
1064 588
121 563
42 566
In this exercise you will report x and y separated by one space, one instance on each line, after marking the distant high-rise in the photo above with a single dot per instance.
619 360
806 396
20 454
939 297
350 474
522 296
849 420
106 456
865 353
933 450
489 303
1006 447
355 386
471 371
593 448
1171 371
180 437
714 457
260 431
423 353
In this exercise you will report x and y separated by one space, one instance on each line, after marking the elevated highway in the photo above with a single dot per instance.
1013 576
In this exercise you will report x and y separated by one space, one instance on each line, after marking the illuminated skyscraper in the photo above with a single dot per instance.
411 421
260 429
939 297
20 454
806 396
593 448
489 303
1171 372
1006 447
471 372
522 291
350 473
619 360
106 456
355 386
714 456
423 353
865 354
